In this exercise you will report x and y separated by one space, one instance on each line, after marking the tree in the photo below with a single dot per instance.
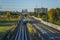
52 15
8 15
58 13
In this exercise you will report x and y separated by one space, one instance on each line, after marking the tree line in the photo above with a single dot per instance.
9 15
53 15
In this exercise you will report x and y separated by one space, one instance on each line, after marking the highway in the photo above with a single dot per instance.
45 32
21 32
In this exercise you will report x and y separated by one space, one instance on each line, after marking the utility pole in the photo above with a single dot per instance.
41 4
0 8
57 3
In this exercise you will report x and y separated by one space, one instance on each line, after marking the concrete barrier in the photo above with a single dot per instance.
47 23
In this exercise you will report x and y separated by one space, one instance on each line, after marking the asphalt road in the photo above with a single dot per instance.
45 32
21 32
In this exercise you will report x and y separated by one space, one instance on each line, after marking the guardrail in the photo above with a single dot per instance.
6 35
21 33
46 23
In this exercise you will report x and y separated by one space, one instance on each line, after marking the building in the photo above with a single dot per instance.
41 10
24 12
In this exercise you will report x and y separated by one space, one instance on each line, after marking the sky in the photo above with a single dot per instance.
18 5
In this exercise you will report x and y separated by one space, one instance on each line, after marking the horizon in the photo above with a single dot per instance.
18 5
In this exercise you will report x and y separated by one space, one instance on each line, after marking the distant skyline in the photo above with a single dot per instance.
18 5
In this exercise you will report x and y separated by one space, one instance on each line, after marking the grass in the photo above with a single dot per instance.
8 24
30 28
11 32
8 21
3 29
33 32
57 23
